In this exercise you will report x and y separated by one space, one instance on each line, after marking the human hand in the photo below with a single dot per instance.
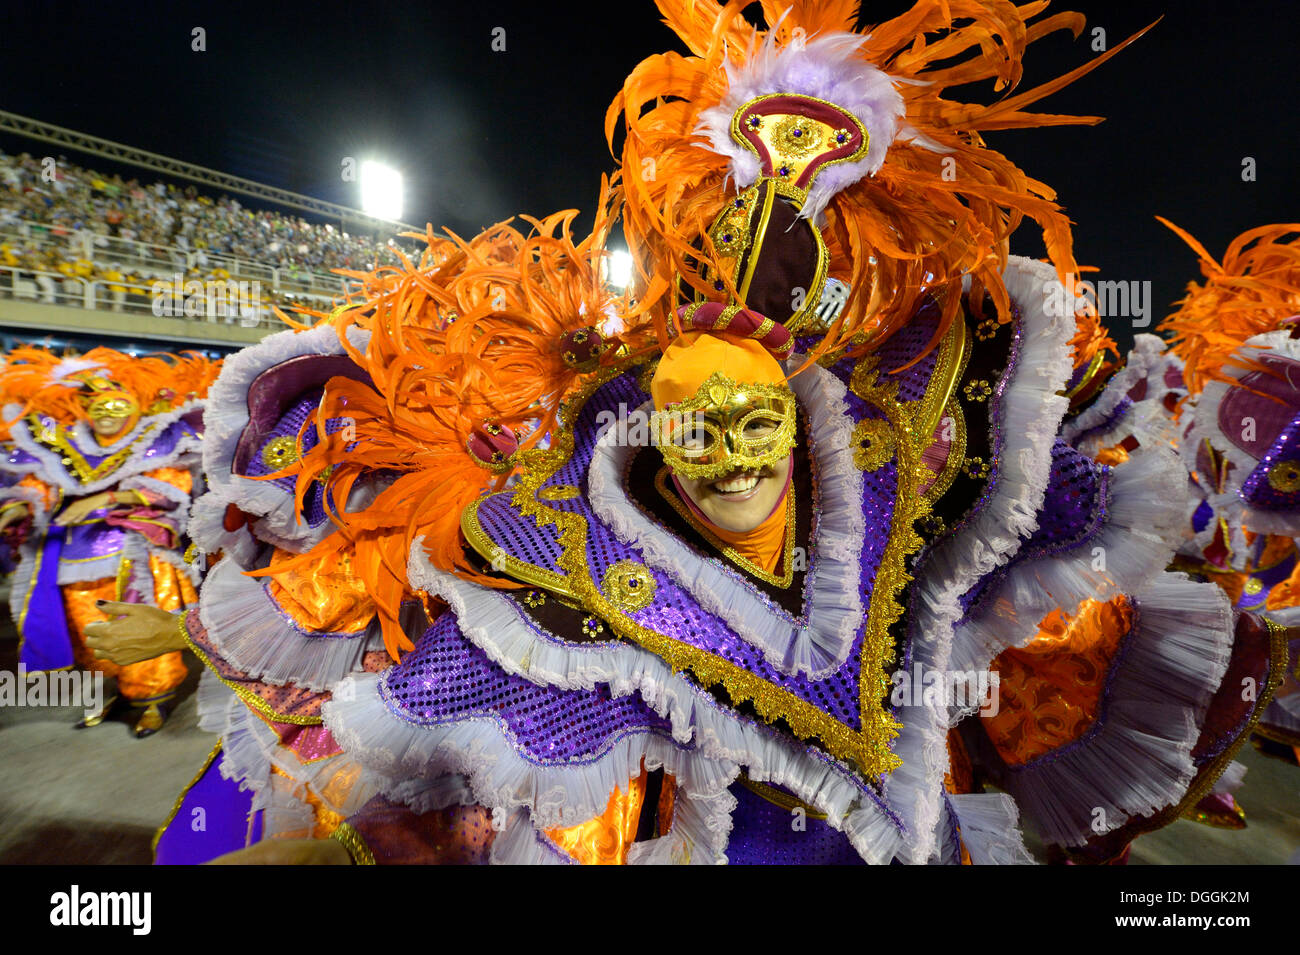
288 852
137 632
78 511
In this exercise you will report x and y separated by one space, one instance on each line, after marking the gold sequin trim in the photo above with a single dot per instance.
868 748
1285 476
56 439
250 699
558 492
872 443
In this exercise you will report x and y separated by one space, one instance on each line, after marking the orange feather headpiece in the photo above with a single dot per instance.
1255 289
932 205
65 388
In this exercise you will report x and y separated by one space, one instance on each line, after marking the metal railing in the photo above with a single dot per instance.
218 302
165 260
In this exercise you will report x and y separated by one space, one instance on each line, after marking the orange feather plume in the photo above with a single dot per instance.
911 230
1255 289
469 335
158 382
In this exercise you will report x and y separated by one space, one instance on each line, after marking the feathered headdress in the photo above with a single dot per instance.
1255 289
907 196
473 349
35 380
471 353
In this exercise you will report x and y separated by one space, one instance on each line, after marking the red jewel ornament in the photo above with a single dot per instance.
492 446
581 348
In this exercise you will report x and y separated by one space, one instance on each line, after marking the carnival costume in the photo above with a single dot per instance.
593 666
1227 387
123 432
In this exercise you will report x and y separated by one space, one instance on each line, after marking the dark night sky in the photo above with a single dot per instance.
284 91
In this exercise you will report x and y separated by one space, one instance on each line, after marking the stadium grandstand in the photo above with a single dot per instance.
143 264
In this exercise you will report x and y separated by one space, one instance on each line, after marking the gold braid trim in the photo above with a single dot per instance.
778 798
1093 367
350 839
868 749
56 439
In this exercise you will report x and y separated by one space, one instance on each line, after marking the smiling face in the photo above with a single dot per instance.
742 500
106 426
729 448
112 414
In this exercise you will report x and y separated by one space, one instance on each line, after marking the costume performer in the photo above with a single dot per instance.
735 642
272 646
103 451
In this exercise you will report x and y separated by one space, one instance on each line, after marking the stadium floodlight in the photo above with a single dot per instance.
381 191
618 269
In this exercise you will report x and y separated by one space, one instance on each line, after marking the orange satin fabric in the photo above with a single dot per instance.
960 777
1114 455
1287 593
694 356
177 477
138 681
1050 689
606 839
323 600
325 820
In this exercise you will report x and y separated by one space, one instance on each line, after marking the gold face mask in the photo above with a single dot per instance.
726 427
112 406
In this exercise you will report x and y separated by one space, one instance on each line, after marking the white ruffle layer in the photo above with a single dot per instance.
1139 760
1143 528
1148 420
252 750
254 635
1030 414
54 471
276 515
1205 427
990 828
395 750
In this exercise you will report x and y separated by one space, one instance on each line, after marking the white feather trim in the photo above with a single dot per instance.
828 67
1030 414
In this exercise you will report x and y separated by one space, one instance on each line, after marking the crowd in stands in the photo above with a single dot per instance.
57 219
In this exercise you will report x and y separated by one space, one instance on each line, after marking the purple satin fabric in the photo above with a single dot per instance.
45 641
94 540
1253 421
215 817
